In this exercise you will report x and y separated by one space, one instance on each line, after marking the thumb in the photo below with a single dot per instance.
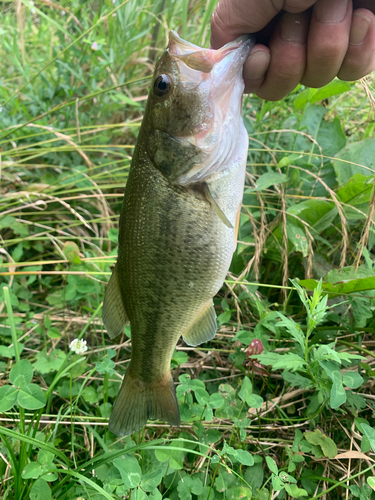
233 18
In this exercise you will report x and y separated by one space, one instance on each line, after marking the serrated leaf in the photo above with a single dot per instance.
21 373
8 397
287 361
352 379
293 328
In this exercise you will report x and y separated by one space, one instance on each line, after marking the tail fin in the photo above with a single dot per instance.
139 401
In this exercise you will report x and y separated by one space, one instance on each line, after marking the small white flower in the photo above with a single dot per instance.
94 46
32 11
78 346
1 109
63 12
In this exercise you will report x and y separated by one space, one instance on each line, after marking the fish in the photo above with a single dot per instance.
179 221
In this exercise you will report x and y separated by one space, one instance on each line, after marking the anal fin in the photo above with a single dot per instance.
204 327
114 314
216 207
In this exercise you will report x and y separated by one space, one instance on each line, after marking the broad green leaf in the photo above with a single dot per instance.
246 389
130 470
272 465
40 490
343 287
239 493
371 482
314 212
243 456
335 87
46 364
21 373
31 397
152 479
9 352
294 491
215 400
175 457
266 180
254 475
297 237
357 190
358 159
8 397
352 379
327 445
71 252
370 434
254 400
32 470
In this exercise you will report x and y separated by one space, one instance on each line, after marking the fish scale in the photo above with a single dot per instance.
177 225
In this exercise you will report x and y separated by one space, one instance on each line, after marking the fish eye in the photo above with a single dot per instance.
163 86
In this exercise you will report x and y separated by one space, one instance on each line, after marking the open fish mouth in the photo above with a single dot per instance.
217 75
223 64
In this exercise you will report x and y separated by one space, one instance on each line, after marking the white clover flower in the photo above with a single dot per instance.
78 346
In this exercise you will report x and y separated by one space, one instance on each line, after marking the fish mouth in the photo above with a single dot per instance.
224 62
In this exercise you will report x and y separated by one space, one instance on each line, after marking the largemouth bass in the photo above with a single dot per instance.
179 221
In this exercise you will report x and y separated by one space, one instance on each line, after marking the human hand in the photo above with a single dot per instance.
302 41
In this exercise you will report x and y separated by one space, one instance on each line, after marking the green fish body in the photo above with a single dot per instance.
178 221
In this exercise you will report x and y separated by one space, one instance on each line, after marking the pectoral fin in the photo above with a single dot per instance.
114 314
216 207
204 328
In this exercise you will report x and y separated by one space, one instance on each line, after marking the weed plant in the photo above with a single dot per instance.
281 403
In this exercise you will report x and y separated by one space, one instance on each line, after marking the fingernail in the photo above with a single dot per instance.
331 11
360 26
256 65
292 28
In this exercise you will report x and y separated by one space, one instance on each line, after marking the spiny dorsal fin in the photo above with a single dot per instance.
114 314
204 327
216 207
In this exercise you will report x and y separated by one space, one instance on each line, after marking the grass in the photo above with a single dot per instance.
295 420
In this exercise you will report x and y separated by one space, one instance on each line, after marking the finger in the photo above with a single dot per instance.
288 57
328 41
233 18
255 68
364 4
360 57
